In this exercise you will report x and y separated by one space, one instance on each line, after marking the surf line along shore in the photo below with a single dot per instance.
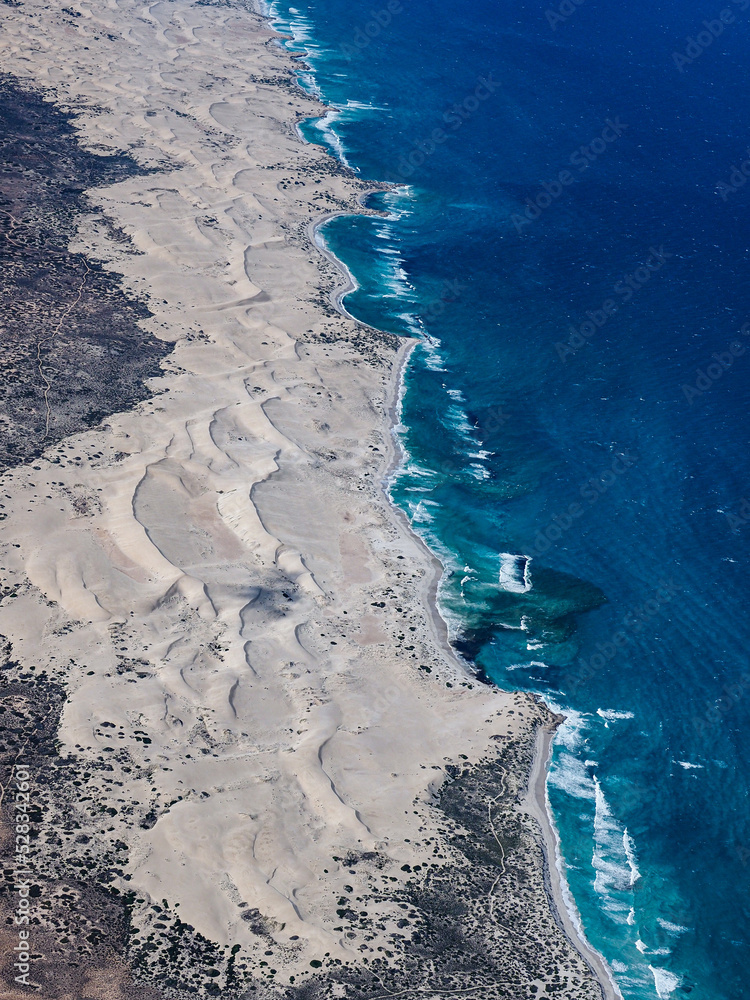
535 800
271 777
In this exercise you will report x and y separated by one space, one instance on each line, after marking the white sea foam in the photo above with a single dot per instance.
400 201
360 106
570 775
688 766
457 420
431 356
412 324
422 478
672 928
611 715
665 982
629 847
527 666
614 858
571 734
393 276
515 628
300 27
515 573
419 512
479 471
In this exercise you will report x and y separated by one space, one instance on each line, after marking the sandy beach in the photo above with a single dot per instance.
258 769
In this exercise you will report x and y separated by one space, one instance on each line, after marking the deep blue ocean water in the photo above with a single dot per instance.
571 240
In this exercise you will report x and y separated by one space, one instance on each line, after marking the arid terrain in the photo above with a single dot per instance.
257 768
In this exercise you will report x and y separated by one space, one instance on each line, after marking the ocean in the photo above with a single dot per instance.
569 238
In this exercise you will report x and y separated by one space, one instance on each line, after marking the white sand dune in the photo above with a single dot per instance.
230 536
237 614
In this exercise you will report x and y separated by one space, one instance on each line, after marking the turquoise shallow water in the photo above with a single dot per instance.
570 239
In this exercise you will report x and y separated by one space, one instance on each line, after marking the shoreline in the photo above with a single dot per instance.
537 801
393 402
337 294
217 589
538 805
